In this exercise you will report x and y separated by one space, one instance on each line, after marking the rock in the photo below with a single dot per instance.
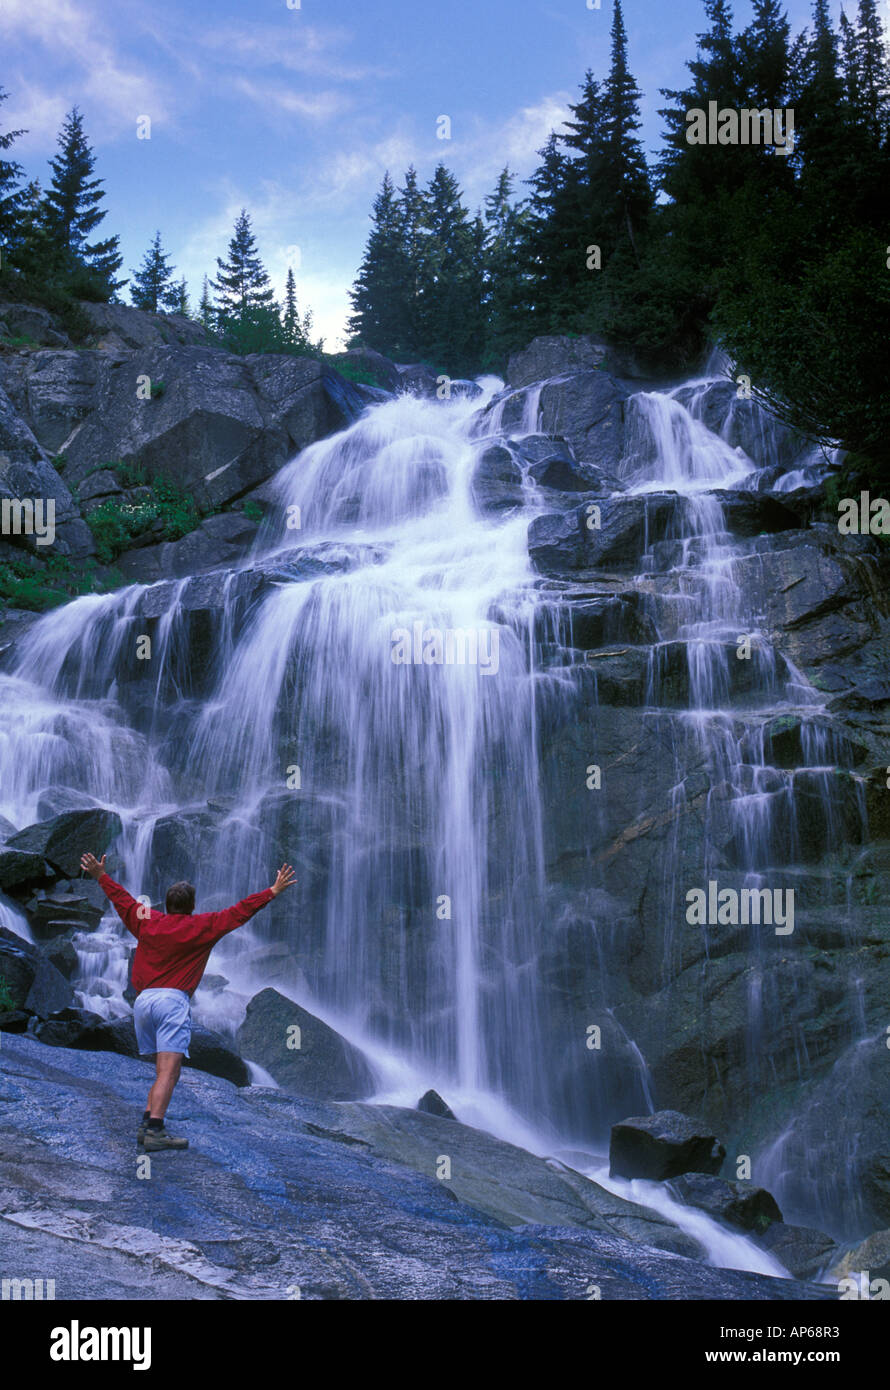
803 1251
26 474
562 543
122 326
753 513
870 1256
63 956
384 374
6 829
220 541
64 1027
497 481
251 1214
64 839
743 423
431 1103
418 379
588 411
64 910
325 1065
736 1203
554 356
32 322
15 1021
54 392
208 1052
35 984
96 487
662 1145
222 425
20 867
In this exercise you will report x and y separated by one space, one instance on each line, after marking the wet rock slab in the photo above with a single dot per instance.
266 1202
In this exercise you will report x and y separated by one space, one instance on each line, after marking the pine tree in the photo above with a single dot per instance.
764 56
381 292
413 214
152 285
73 211
206 308
451 318
296 331
873 72
624 177
507 278
11 195
242 284
178 300
553 254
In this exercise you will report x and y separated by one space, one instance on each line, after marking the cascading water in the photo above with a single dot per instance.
407 791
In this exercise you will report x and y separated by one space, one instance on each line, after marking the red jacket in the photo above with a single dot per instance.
172 949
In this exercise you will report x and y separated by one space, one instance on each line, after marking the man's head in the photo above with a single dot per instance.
181 898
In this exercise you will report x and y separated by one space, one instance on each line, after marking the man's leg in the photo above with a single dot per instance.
168 1065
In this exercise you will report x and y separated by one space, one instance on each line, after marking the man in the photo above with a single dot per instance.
171 956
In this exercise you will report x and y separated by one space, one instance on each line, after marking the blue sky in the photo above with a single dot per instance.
295 113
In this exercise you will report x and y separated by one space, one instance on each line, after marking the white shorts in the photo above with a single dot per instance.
163 1019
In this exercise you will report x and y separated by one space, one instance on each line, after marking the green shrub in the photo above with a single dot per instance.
7 999
115 524
37 585
253 511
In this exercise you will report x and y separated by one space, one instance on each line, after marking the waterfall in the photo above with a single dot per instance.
371 711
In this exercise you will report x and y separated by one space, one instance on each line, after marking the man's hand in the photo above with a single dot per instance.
92 866
285 878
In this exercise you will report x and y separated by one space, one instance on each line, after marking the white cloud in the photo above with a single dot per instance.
277 100
111 90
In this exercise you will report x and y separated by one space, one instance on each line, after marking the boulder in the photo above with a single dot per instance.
753 513
208 1051
35 984
562 543
737 1203
26 474
587 409
418 379
20 867
383 373
64 1027
556 355
64 839
324 1065
32 322
220 541
870 1256
431 1103
222 424
64 910
803 1251
63 956
497 481
663 1145
120 326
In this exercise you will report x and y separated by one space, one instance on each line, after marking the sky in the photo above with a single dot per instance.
295 109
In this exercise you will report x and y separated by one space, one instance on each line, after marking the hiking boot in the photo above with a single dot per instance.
162 1139
140 1133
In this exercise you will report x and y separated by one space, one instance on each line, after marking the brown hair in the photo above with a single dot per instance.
181 898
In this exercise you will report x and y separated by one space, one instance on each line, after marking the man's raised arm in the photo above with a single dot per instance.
131 912
220 923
